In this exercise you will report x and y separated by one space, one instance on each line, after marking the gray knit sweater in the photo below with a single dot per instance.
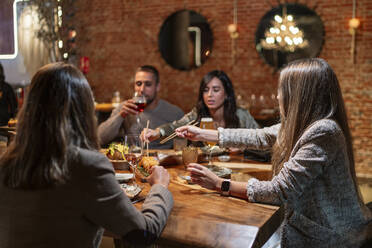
116 127
322 206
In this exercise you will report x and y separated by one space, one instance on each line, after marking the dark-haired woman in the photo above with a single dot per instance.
56 188
217 100
313 162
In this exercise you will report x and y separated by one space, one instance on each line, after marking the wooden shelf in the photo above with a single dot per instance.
104 107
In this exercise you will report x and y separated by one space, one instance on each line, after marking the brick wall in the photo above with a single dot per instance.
119 35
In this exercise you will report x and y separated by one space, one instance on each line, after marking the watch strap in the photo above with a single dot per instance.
161 132
225 187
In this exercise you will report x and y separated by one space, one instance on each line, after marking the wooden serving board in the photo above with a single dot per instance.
244 167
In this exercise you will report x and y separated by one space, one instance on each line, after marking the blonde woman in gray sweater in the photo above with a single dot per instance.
314 174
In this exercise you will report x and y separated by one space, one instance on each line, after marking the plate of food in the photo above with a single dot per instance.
131 190
214 150
116 153
144 167
220 171
12 123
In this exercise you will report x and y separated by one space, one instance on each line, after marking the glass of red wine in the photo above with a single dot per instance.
140 101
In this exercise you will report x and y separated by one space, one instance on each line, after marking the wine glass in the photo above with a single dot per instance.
134 154
132 160
140 101
207 123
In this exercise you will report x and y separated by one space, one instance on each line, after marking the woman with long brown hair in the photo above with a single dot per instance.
216 100
314 175
56 188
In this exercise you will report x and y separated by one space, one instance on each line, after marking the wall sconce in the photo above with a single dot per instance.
354 24
233 31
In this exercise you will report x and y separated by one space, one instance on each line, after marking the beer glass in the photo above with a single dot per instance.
207 123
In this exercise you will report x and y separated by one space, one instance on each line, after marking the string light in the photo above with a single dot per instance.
59 14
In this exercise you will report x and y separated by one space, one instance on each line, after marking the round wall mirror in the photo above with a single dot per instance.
185 40
289 32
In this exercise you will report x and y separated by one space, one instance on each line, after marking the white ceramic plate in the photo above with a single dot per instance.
224 158
123 177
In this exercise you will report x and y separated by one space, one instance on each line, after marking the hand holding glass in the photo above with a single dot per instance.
140 101
189 155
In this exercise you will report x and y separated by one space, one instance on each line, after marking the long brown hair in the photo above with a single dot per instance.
56 118
309 91
229 105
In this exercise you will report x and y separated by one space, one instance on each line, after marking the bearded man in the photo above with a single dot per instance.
126 119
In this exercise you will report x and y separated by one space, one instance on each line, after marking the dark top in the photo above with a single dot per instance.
8 103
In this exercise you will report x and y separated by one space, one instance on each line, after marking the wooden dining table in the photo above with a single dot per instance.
203 218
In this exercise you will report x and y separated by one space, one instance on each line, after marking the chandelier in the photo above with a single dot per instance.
284 34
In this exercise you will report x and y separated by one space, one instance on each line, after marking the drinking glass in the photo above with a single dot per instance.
140 101
207 123
135 152
189 155
116 99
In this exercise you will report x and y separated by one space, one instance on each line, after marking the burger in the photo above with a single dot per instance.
145 165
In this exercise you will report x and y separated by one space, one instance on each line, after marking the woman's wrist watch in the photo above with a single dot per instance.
225 188
161 132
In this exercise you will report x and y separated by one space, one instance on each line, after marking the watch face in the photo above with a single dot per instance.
225 187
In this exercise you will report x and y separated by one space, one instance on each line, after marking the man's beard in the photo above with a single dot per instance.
150 100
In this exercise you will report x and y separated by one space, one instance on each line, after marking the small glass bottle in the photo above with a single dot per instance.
116 99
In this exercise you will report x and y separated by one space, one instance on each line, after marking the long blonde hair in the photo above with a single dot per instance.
309 91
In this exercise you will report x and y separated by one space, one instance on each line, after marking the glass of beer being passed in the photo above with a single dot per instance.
208 123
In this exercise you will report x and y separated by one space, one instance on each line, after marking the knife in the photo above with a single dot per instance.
138 199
